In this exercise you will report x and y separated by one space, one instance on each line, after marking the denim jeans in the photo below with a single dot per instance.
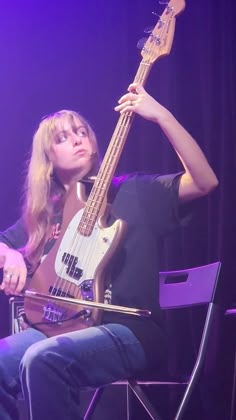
12 349
53 370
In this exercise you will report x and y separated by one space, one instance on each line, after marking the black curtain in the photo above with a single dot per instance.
82 55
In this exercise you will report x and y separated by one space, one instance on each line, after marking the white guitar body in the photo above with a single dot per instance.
85 253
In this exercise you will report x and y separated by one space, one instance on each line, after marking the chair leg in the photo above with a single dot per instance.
198 363
233 397
93 403
128 405
137 390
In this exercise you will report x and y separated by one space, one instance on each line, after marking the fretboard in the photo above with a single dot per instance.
110 161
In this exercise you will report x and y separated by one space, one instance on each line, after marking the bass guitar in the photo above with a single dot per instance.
67 290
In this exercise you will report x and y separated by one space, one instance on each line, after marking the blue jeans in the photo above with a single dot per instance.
53 370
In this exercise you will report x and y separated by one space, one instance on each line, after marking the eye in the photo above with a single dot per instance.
61 139
81 132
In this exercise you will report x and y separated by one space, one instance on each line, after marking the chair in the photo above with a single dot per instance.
231 313
178 289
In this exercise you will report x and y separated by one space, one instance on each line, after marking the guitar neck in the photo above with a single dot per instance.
118 139
103 180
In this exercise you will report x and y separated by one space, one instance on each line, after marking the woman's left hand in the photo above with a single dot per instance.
139 101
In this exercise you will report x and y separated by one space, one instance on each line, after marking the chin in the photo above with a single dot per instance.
84 169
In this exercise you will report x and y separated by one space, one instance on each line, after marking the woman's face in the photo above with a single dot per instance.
71 151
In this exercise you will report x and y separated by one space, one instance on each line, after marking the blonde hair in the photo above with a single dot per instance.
41 193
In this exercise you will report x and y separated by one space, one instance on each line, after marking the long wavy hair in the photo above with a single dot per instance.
42 195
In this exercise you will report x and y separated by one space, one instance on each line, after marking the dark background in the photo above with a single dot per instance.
82 55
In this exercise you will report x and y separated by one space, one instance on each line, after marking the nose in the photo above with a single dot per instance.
76 140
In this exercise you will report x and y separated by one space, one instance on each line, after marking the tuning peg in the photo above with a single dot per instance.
165 3
161 22
141 43
156 14
148 29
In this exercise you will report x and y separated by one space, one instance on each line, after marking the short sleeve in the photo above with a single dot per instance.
15 236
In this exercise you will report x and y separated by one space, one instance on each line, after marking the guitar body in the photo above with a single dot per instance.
76 267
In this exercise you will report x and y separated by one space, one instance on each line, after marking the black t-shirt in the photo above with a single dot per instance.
149 205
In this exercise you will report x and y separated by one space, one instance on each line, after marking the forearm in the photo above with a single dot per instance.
199 178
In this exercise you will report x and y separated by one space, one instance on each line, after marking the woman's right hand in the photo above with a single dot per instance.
14 270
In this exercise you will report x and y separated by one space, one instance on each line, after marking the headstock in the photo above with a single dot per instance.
160 40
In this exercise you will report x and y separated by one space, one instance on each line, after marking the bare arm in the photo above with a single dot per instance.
198 178
14 270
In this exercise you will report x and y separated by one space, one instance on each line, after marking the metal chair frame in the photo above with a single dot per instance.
178 289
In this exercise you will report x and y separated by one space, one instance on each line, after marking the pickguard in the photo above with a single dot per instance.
79 256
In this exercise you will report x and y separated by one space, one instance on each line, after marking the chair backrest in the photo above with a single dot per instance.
193 286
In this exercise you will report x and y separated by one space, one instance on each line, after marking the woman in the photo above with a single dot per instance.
52 370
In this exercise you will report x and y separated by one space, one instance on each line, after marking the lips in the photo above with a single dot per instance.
80 152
